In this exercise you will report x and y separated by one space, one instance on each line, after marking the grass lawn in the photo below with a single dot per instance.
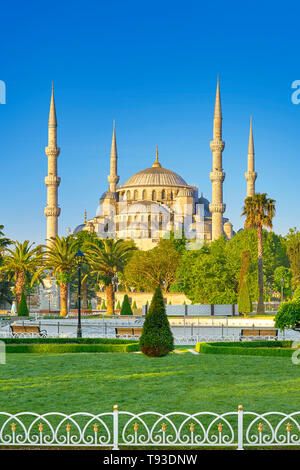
183 382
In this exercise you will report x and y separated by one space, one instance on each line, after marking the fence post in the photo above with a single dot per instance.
116 427
240 427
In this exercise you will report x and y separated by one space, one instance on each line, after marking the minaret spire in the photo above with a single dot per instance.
52 211
156 164
113 177
217 175
251 175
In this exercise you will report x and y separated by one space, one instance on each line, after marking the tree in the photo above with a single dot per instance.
283 279
4 242
88 279
147 269
245 304
259 212
106 260
156 339
297 294
208 276
288 315
118 305
293 250
245 267
20 263
126 308
22 307
103 305
60 262
134 306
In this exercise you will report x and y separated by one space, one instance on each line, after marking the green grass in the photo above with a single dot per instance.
184 382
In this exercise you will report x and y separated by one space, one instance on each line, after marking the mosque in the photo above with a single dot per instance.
153 201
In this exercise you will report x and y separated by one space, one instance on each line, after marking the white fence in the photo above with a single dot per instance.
237 429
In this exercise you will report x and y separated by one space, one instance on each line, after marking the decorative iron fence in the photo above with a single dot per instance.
237 429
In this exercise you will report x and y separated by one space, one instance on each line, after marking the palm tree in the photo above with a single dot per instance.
60 262
4 242
20 263
107 258
259 211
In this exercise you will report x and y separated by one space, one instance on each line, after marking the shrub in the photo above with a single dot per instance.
156 339
288 315
103 305
90 305
48 348
126 308
245 304
22 308
249 348
134 307
118 305
297 294
67 341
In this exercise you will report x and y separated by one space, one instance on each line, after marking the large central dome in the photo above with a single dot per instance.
156 176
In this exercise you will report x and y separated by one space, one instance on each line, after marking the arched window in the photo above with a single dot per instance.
135 195
144 195
163 194
153 195
128 195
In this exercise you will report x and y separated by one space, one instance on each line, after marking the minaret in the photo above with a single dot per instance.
217 175
113 177
52 211
251 175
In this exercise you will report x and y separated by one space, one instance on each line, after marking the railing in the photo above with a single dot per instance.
237 429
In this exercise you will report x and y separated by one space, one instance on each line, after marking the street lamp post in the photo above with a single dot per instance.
282 286
79 258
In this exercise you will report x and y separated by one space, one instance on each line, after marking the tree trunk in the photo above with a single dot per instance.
84 295
260 304
63 299
110 299
20 284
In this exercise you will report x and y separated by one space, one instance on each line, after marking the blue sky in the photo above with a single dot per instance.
151 66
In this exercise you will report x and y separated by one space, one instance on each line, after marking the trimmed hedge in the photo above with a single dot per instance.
71 348
68 341
251 348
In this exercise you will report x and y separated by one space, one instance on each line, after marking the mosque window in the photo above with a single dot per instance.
163 194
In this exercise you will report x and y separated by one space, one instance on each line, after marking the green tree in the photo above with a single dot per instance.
22 307
20 263
297 294
156 339
118 305
259 212
283 274
60 262
245 267
103 305
293 250
288 315
147 269
126 307
106 260
134 306
245 304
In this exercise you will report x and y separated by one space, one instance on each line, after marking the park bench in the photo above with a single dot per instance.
27 330
258 333
128 332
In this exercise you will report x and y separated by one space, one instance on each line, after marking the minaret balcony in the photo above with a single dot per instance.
52 180
217 176
217 207
52 152
217 145
250 175
52 211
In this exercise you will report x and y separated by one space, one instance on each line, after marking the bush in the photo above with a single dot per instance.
48 348
134 307
156 339
297 294
245 304
249 348
90 305
22 308
118 307
126 308
288 315
103 305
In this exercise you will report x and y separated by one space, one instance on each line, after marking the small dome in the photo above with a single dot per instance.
78 228
155 176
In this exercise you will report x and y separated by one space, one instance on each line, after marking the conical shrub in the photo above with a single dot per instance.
245 304
22 308
156 339
126 308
